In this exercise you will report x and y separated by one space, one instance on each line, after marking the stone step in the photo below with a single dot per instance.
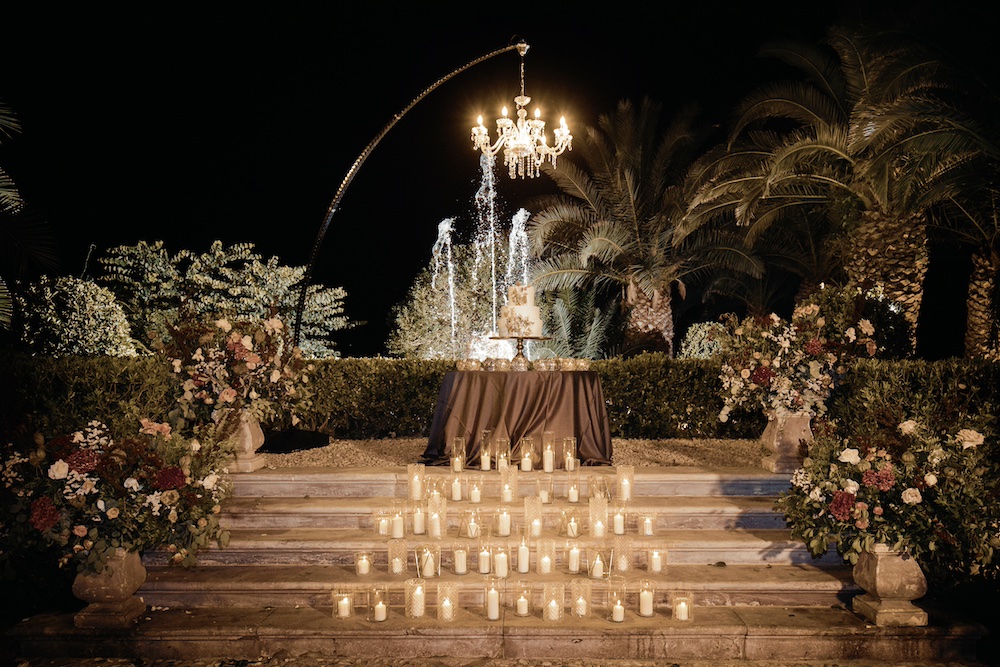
775 635
354 512
316 546
392 481
311 585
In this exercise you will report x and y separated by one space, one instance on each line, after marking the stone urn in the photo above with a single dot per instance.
786 436
247 438
111 592
891 581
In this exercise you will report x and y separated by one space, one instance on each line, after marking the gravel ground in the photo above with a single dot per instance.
396 452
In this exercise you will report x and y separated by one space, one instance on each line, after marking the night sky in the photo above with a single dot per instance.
190 124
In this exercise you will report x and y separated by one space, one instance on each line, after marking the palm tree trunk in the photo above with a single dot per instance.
980 307
650 323
891 252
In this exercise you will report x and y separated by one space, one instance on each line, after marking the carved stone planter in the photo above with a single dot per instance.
891 581
111 593
248 438
786 436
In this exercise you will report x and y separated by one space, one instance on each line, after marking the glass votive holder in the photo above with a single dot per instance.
502 521
501 560
647 596
437 517
471 525
681 605
493 598
570 524
573 487
396 557
545 489
460 558
646 524
484 560
598 516
382 522
580 597
447 600
574 557
363 563
523 556
456 487
415 597
533 518
616 599
343 604
501 452
545 553
548 452
656 560
378 603
415 475
521 594
623 553
458 448
526 454
476 483
427 558
508 484
435 488
626 482
485 449
553 600
599 562
397 520
418 517
619 519
597 487
569 454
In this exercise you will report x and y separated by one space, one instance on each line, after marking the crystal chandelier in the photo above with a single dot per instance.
524 144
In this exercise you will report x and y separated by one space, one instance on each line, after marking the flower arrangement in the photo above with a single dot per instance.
932 495
788 366
89 495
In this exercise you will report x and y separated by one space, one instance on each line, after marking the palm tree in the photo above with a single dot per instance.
613 227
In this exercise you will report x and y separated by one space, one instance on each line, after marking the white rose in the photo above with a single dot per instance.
909 427
851 336
275 375
866 327
224 325
911 496
930 479
816 494
132 484
58 470
850 455
210 481
969 438
851 486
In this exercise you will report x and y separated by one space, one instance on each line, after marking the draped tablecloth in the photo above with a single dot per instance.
521 404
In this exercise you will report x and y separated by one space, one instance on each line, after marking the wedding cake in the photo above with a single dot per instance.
520 318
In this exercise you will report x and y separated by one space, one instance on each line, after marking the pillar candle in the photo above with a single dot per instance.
570 463
548 460
447 610
473 528
475 494
503 524
522 606
456 489
364 566
500 565
493 604
536 527
574 559
655 562
506 494
398 526
434 526
681 610
545 565
573 494
381 611
396 566
598 570
523 558
647 525
383 526
418 521
619 523
544 495
646 602
484 461
572 528
428 566
419 603
344 606
581 606
599 529
461 561
618 613
484 561
526 464
457 464
552 611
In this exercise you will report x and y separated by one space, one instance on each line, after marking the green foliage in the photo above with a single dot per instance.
69 316
581 325
6 306
703 340
844 307
159 290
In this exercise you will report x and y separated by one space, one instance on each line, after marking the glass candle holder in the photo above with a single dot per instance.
456 487
616 599
533 518
343 604
447 600
502 521
437 517
523 556
378 603
427 558
396 557
484 560
485 449
580 597
623 553
573 487
415 475
521 594
646 523
418 517
619 519
598 516
501 560
569 454
545 489
493 598
553 600
363 561
415 597
508 484
397 520
570 524
476 483
526 454
625 482
501 453
471 525
548 452
460 558
435 488
599 562
597 487
656 560
381 522
574 557
681 606
647 595
545 553
458 448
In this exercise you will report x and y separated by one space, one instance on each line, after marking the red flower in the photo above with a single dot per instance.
83 461
170 477
842 505
44 514
814 347
762 376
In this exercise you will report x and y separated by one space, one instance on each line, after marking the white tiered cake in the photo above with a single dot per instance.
520 318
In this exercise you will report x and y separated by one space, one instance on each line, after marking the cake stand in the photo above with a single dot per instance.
520 362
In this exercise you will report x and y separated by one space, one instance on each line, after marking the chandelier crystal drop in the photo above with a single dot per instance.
524 144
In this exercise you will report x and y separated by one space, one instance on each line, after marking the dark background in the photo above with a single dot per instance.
190 124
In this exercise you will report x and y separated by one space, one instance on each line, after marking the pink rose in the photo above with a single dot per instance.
80 531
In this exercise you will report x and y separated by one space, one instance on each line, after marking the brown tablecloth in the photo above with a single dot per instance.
514 405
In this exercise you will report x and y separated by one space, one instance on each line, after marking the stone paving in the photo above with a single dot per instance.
321 661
